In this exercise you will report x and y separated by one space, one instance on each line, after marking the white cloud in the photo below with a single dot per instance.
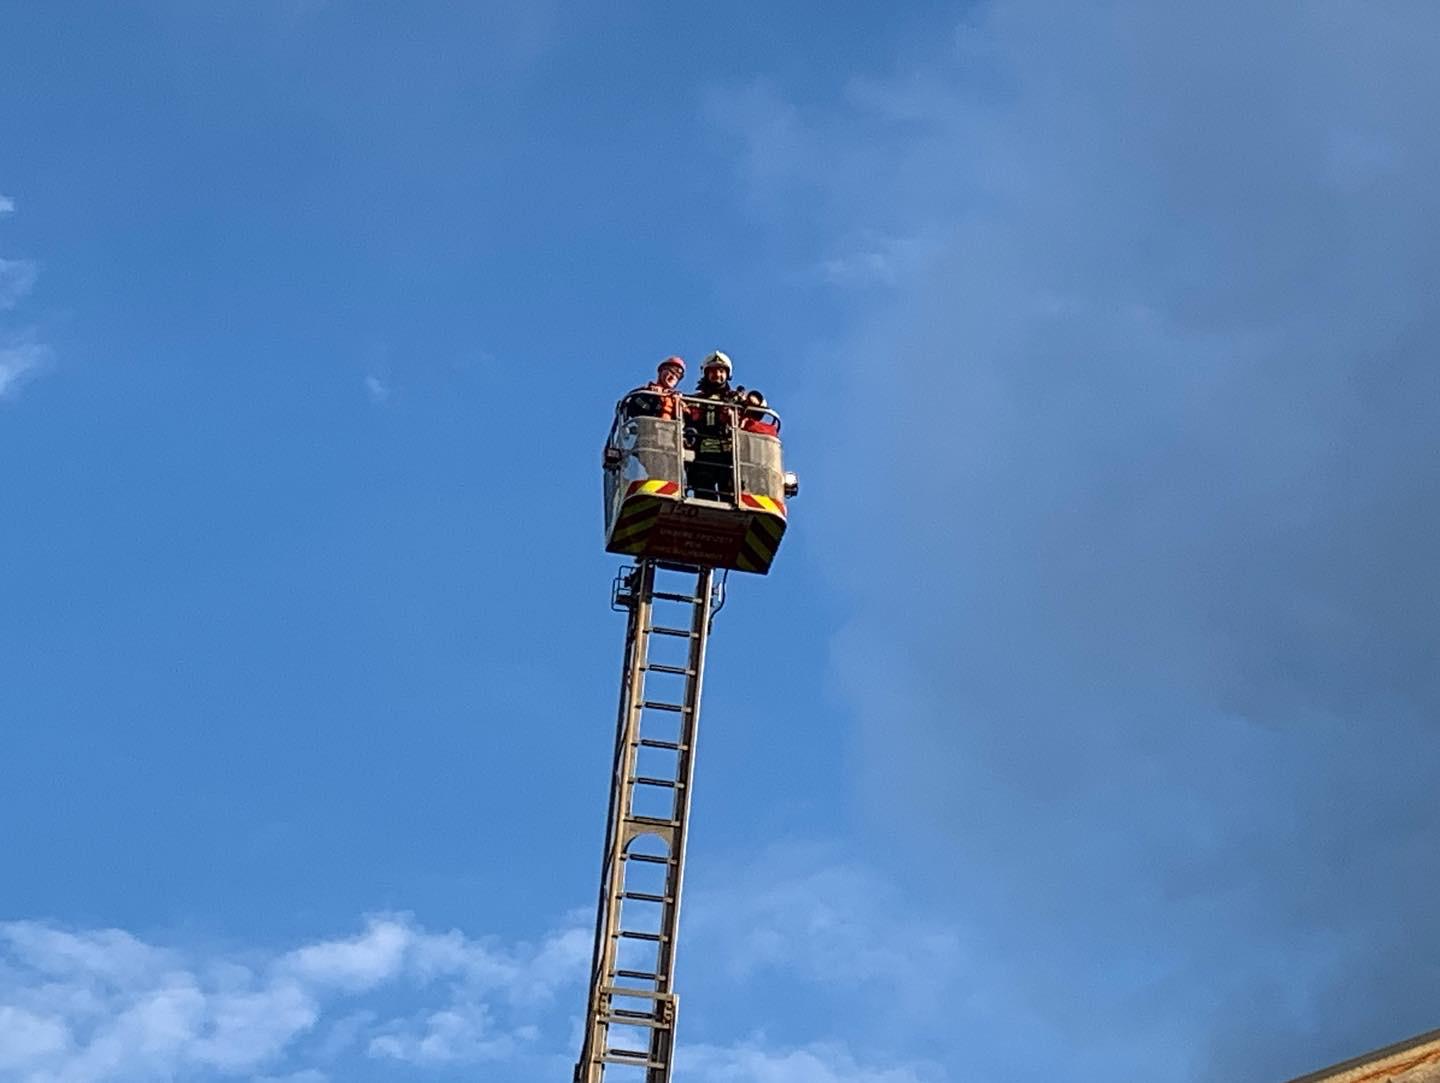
357 964
821 1063
25 1036
18 362
377 388
464 1033
250 1026
17 278
343 1035
877 259
798 914
98 1005
20 355
105 1006
777 142
1167 507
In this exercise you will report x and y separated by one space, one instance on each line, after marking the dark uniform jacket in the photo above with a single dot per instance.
710 418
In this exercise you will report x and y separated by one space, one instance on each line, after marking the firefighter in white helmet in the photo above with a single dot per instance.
710 430
715 378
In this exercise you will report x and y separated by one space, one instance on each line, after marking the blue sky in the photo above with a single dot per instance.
1088 720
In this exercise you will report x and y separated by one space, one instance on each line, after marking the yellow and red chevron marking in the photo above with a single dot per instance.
633 524
639 513
757 551
654 487
763 503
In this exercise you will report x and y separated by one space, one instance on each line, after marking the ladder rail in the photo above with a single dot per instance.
634 622
611 979
662 1042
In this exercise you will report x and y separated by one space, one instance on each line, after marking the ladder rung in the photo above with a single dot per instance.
631 1018
679 671
665 595
653 821
656 705
654 742
644 896
683 633
633 1057
642 975
631 934
638 994
645 780
648 859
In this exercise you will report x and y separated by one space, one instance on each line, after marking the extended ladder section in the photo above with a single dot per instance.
630 1023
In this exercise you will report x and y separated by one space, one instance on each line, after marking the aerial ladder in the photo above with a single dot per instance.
685 540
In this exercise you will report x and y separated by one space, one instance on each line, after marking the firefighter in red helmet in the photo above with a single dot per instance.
666 386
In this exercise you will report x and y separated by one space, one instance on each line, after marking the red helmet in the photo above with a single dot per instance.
678 362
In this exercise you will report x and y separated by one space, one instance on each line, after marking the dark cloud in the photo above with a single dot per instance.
1146 611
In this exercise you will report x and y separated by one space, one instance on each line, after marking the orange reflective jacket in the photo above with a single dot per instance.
669 401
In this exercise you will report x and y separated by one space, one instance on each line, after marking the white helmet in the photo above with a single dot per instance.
717 358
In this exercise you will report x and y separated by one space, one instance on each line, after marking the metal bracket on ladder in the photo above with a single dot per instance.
630 1022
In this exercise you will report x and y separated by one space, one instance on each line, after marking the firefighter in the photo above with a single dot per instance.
756 417
666 385
711 474
715 379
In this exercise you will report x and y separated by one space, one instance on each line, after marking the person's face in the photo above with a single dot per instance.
715 374
669 376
